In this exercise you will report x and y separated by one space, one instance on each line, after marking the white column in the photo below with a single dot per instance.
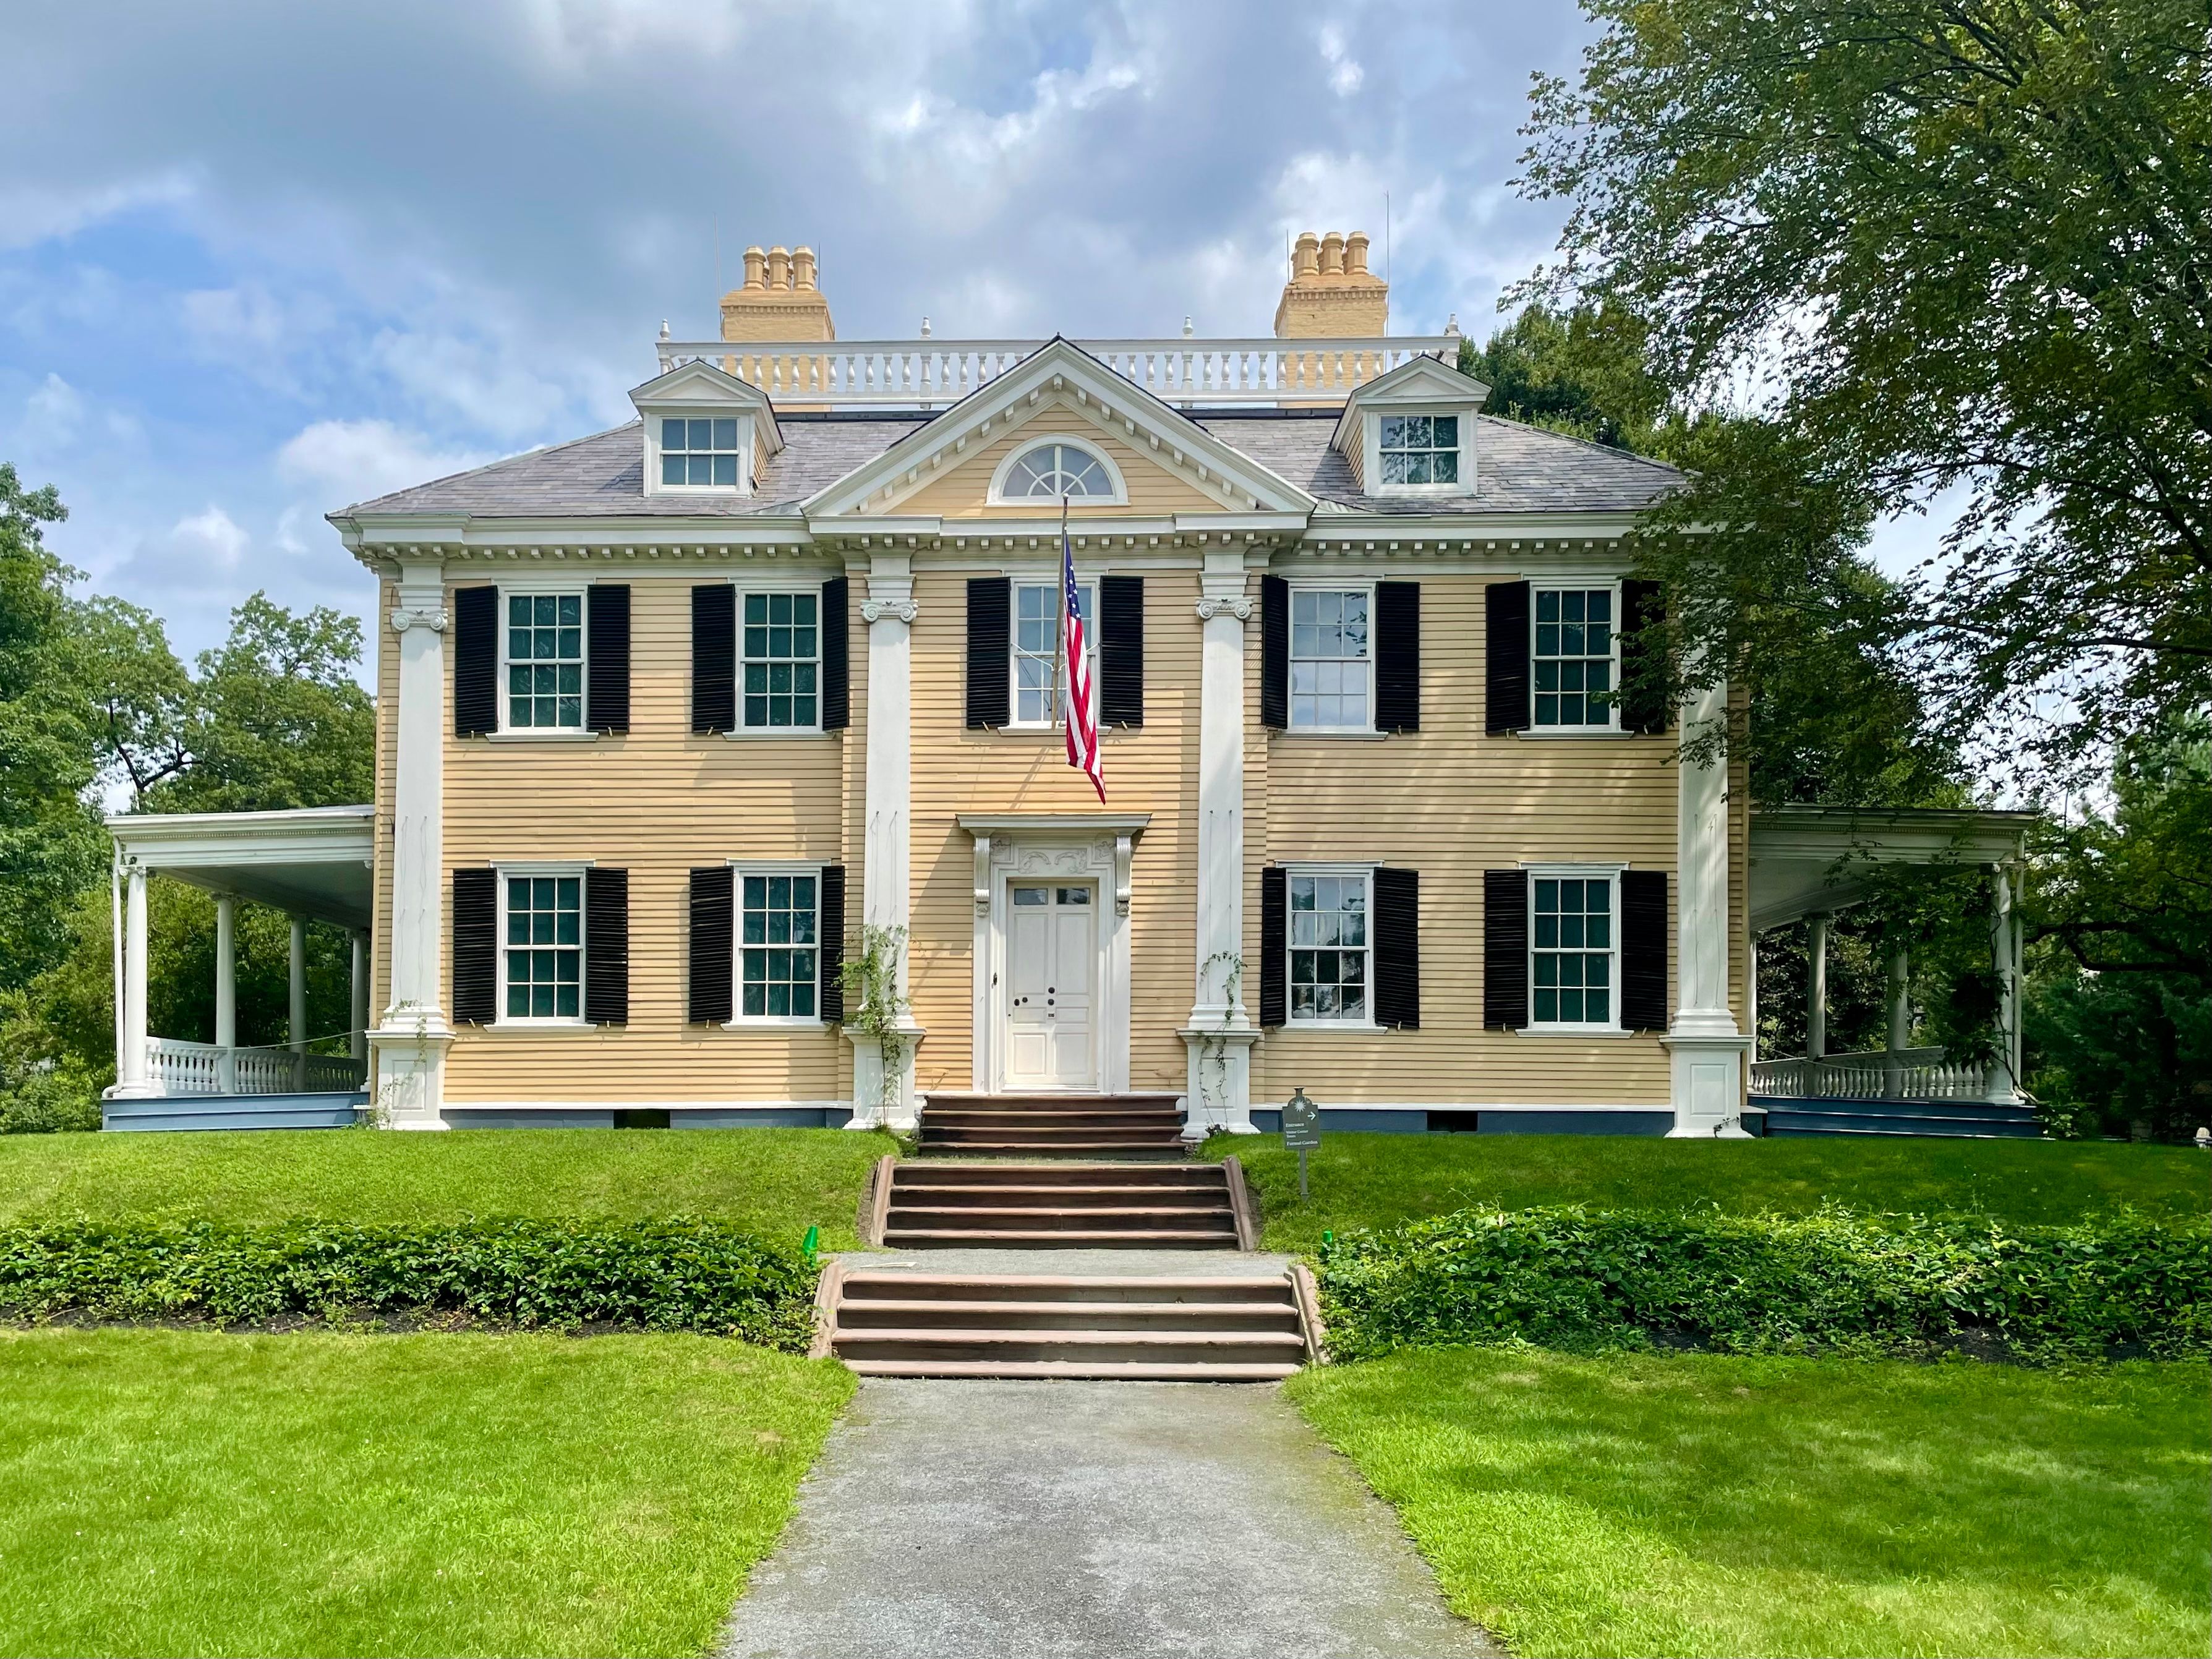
295 1006
2004 952
1751 993
410 1043
1816 986
357 1003
132 1079
1219 1034
889 612
1900 1023
1706 1049
226 991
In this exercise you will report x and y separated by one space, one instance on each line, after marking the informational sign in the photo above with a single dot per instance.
1301 1132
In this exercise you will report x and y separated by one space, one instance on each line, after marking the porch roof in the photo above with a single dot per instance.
315 861
1802 857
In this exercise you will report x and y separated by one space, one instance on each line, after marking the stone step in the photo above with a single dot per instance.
1027 1118
1026 1148
1141 1370
906 1217
1093 1347
1069 1197
913 1313
945 1175
1091 1289
961 1100
1048 1238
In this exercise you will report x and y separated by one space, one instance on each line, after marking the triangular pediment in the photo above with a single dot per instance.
1061 390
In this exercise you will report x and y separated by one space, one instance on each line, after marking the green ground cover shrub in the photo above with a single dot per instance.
194 1492
1566 1276
704 1277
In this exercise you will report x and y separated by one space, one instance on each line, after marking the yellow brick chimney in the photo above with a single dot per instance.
780 299
1331 294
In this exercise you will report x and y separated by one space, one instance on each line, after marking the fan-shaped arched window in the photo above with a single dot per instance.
1053 470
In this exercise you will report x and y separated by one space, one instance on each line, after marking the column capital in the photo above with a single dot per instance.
1212 606
876 610
430 616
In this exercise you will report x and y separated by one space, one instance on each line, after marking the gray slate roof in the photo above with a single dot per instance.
1519 468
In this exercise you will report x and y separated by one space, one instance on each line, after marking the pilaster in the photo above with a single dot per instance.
889 611
1704 1046
1219 1033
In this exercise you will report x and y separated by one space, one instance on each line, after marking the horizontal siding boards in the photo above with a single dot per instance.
476 947
836 654
1274 945
475 661
990 666
713 657
606 945
1397 923
714 944
1505 646
1121 650
1642 658
1397 656
1274 652
830 929
606 656
1643 949
1505 949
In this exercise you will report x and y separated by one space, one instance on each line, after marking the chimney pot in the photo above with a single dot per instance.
755 268
1332 294
1307 260
779 267
802 267
1355 253
1332 254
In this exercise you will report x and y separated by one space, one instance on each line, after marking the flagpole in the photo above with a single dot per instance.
1059 640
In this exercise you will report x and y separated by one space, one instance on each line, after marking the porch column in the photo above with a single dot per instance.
2004 951
296 1010
1219 1033
1706 1049
226 991
1816 986
1900 1023
1751 996
411 1042
131 1074
889 612
357 1003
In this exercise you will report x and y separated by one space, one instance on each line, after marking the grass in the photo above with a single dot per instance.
1380 1180
168 1492
776 1181
1706 1504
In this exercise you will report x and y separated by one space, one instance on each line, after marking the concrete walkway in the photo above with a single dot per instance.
971 1520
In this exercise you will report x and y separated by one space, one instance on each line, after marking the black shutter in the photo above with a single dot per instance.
1505 645
1505 947
606 946
1274 927
1397 656
606 689
990 666
1121 650
475 661
476 945
1274 652
1643 949
836 654
1397 923
714 657
713 891
830 929
1642 658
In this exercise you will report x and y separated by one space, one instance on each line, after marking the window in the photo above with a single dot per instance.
1574 657
1328 947
545 660
1329 659
1420 449
1037 647
1571 949
699 454
782 650
776 943
544 966
1054 470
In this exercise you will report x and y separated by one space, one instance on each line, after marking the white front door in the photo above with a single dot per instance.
1051 953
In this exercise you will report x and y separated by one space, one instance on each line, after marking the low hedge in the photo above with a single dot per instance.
666 1275
1899 1285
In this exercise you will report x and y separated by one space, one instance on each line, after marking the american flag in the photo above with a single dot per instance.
1081 707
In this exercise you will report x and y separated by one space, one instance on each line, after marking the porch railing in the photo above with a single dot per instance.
924 373
207 1068
1877 1074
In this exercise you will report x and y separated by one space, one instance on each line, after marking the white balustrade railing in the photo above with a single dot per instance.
1876 1074
207 1068
928 374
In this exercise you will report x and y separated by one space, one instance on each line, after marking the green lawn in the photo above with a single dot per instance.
1705 1505
1380 1180
779 1181
182 1492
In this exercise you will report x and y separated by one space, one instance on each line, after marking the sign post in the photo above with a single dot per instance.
1301 1132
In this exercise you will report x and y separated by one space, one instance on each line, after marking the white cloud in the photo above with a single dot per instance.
1345 74
53 413
35 212
351 461
211 535
486 386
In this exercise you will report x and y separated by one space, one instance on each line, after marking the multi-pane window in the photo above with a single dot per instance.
545 660
699 453
782 649
1574 656
1571 981
1420 449
1328 658
1328 947
1051 470
1037 666
544 967
776 949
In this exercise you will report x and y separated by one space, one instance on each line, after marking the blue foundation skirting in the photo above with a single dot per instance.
172 1112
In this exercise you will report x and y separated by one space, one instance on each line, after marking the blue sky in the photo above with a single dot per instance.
257 261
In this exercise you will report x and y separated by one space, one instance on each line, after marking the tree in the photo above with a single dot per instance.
1938 245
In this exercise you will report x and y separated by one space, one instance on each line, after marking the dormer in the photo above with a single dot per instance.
707 432
1410 432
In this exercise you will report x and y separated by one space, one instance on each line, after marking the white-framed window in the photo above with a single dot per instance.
1331 659
1050 469
542 653
779 942
1417 449
1035 664
700 453
1330 945
541 953
1574 658
780 659
1574 949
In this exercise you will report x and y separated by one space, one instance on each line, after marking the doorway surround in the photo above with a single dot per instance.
1098 847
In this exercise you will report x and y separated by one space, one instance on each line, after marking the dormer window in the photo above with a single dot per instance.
698 454
1061 469
1419 449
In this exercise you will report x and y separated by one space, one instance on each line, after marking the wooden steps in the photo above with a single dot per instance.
934 1205
1226 1329
1052 1126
